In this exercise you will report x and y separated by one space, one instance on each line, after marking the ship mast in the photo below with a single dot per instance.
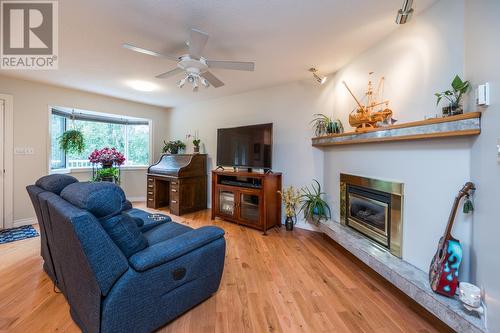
361 107
369 92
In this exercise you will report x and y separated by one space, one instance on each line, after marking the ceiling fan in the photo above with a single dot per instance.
193 65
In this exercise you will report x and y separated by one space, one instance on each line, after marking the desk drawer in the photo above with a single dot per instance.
174 206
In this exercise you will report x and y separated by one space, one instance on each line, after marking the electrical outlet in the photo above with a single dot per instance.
29 151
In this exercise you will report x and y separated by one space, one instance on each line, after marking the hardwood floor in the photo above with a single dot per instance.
296 281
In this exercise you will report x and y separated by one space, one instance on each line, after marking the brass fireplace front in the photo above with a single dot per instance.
373 207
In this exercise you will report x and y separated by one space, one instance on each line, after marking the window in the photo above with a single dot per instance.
131 136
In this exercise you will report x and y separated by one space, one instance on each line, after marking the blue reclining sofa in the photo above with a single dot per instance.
119 269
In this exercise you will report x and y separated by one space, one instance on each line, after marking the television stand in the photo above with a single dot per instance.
247 198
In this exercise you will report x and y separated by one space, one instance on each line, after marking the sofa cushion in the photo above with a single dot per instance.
102 199
143 219
165 231
123 230
55 183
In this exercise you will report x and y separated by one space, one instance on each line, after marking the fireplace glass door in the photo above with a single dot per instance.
369 216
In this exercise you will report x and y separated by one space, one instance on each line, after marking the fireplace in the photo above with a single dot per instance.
373 208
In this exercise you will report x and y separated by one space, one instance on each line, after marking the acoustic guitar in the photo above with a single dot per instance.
443 272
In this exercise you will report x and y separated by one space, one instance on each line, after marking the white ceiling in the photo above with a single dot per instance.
283 37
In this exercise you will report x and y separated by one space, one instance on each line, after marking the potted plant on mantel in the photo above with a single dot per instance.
173 147
315 209
291 198
106 163
324 125
454 97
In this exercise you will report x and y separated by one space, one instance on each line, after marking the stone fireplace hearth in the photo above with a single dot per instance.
373 207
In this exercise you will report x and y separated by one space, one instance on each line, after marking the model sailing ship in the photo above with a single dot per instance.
374 113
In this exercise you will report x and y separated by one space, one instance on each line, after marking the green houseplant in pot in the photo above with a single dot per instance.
107 175
324 125
315 209
453 96
173 147
72 141
196 145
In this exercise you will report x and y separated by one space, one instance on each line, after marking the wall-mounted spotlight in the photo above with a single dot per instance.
317 78
404 14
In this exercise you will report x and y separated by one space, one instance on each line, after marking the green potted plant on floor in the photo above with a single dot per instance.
453 96
314 208
173 147
291 198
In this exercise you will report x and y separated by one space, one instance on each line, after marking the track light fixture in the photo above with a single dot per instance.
404 14
317 78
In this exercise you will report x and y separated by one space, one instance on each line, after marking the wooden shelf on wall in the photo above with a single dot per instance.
459 125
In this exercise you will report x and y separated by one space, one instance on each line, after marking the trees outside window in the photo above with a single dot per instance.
130 139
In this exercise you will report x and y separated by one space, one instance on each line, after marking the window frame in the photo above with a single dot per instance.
87 169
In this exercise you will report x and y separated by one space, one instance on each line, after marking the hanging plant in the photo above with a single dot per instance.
72 141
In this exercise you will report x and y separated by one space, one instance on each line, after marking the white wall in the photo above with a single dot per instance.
482 65
417 60
31 103
289 107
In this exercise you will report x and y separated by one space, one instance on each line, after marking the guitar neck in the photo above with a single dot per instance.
451 219
463 192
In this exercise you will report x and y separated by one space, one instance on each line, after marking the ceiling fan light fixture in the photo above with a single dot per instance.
195 84
405 13
181 83
319 79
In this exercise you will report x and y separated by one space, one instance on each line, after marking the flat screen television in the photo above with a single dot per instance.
245 147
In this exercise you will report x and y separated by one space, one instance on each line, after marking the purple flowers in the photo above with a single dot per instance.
107 156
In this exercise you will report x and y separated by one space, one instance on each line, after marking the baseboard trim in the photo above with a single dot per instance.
136 199
307 226
21 222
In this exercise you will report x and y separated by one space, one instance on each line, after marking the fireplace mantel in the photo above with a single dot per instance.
466 124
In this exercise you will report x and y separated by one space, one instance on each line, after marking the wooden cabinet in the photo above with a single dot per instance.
247 198
178 181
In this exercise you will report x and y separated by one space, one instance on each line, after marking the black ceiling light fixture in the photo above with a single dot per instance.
404 14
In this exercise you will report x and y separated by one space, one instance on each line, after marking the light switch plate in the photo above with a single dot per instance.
19 151
498 150
483 94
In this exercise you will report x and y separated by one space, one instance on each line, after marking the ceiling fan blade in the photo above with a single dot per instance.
235 65
169 73
197 42
212 79
149 52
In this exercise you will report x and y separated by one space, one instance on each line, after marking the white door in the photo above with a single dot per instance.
2 170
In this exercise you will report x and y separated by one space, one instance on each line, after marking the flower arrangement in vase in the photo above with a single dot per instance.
291 198
106 163
196 141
